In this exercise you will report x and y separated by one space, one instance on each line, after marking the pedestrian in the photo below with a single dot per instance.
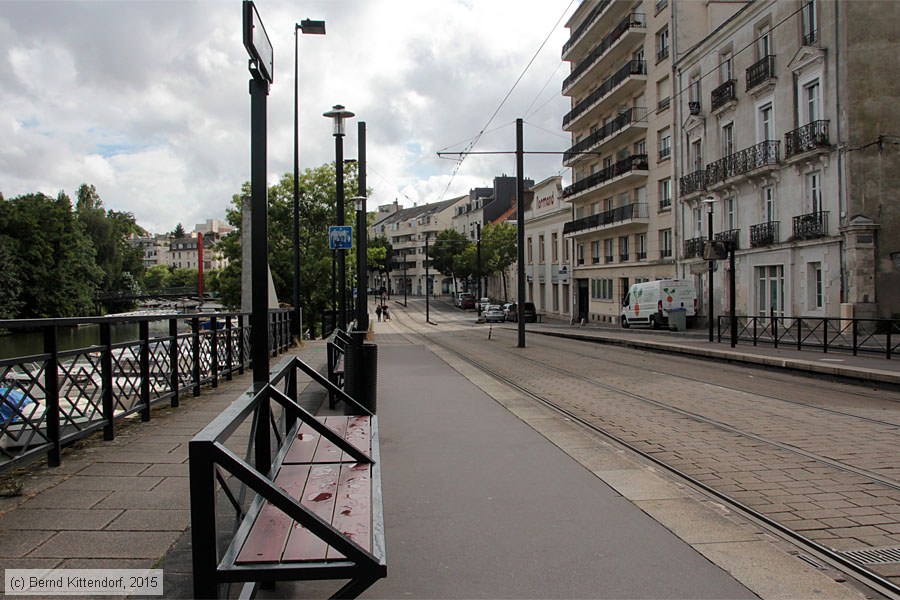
387 316
378 311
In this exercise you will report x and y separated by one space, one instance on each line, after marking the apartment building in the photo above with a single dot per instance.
622 126
155 248
548 263
779 106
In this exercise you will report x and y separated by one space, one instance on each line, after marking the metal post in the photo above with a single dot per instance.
51 396
259 319
109 408
405 285
144 333
362 283
732 300
196 372
712 264
478 248
341 257
427 305
520 229
296 320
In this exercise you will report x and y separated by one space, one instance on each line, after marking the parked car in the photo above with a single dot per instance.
483 303
506 308
649 303
529 312
465 300
493 313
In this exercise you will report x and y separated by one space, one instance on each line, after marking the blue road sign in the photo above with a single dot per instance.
340 237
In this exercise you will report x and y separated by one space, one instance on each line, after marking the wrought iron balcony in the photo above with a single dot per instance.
723 94
810 37
632 67
693 182
693 248
731 237
632 115
631 21
662 54
811 225
608 259
665 153
803 139
747 160
634 162
642 255
761 71
609 217
585 25
665 253
623 257
664 103
764 234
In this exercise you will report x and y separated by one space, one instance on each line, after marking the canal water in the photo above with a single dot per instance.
28 343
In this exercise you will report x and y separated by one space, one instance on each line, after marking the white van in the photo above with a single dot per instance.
648 303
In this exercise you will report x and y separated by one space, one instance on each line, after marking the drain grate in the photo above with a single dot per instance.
874 556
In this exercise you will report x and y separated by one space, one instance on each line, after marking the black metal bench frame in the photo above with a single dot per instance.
209 458
336 348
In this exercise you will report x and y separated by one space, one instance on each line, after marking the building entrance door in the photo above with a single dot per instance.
583 299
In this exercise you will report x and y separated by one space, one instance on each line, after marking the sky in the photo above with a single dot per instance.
149 102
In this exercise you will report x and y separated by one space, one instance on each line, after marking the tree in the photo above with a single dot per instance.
378 255
317 212
10 280
498 250
449 245
178 232
157 277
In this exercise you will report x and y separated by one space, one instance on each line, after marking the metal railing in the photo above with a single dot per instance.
760 71
629 22
811 225
868 336
585 25
634 162
803 139
693 182
60 395
693 248
764 234
609 217
624 119
749 159
723 94
732 236
632 67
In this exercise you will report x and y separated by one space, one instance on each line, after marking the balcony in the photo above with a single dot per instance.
761 157
624 257
694 107
761 72
692 183
616 216
811 226
632 116
588 22
665 153
637 162
642 255
811 136
693 248
764 234
723 95
608 259
628 70
732 237
632 21
662 54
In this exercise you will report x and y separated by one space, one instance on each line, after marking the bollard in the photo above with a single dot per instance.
361 373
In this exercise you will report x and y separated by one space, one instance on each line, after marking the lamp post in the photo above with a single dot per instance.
709 227
362 314
478 248
338 114
306 26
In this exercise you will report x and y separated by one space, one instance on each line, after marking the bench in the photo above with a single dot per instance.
317 509
336 348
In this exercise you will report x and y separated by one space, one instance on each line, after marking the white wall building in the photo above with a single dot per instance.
548 264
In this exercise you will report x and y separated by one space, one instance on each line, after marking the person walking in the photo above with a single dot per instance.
378 311
387 316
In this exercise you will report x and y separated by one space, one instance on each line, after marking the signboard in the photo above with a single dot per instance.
715 251
340 237
257 43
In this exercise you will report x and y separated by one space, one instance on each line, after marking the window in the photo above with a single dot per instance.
812 98
640 148
663 93
665 144
814 191
638 56
728 140
665 193
763 41
641 243
766 122
697 154
608 204
623 249
541 254
694 88
608 246
770 208
595 252
809 23
814 286
579 254
697 213
601 289
730 213
554 247
770 290
665 243
726 67
662 44
530 250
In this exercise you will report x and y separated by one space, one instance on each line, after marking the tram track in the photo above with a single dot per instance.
587 416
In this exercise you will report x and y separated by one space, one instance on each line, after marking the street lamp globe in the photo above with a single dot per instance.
338 114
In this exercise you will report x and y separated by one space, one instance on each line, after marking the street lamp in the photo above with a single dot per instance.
306 26
709 225
338 114
478 248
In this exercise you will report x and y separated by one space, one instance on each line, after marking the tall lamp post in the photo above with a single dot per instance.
306 26
478 248
338 114
712 264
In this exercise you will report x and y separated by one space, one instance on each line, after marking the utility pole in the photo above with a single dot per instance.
478 247
427 305
520 229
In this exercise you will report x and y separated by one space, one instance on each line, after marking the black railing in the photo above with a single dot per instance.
692 182
664 103
764 234
731 236
810 37
642 255
632 67
595 260
662 54
609 217
623 257
61 394
665 203
803 139
665 253
723 94
665 153
811 225
870 336
749 159
693 248
635 162
760 71
608 259
585 25
626 118
632 20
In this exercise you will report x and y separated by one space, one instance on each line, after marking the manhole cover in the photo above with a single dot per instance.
874 556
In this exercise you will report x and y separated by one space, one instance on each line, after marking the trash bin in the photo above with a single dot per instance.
361 376
677 319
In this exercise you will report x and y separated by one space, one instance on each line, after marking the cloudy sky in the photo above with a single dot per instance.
148 100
